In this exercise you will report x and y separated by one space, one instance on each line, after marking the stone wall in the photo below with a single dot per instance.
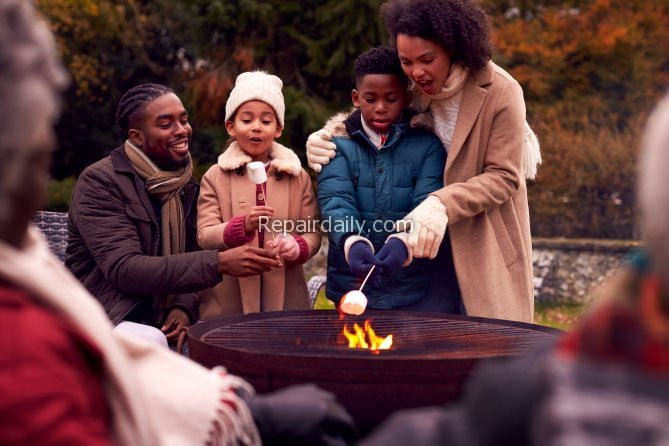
565 270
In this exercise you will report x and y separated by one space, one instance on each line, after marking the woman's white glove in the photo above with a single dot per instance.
320 149
427 227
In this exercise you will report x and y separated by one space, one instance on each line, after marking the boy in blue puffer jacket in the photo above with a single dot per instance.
383 169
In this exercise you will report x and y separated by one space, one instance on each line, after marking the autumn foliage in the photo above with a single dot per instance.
591 71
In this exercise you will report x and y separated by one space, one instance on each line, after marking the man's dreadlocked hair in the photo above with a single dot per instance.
379 60
133 103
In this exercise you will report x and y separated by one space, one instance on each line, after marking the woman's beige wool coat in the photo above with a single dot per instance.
486 199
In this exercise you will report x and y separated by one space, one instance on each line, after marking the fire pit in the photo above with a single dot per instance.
431 356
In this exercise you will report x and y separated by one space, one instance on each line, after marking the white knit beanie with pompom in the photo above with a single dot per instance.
256 86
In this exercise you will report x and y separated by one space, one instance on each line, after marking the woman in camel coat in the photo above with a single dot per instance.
478 112
486 199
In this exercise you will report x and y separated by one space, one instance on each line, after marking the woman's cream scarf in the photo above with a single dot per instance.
156 397
454 84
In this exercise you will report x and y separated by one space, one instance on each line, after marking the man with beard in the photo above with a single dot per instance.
132 223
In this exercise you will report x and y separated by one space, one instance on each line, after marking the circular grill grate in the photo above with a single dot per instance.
431 358
318 333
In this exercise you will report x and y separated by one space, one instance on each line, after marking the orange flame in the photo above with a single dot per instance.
366 338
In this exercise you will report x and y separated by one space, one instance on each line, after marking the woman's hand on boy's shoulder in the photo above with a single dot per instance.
320 149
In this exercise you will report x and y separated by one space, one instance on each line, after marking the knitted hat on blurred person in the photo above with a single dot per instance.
256 86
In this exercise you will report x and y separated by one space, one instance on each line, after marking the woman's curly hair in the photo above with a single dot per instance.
461 27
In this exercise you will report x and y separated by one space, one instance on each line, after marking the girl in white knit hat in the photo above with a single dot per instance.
68 378
271 204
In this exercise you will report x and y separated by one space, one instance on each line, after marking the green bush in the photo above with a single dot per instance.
60 193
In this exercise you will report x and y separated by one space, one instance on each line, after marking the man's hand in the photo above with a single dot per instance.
175 327
252 220
320 149
246 260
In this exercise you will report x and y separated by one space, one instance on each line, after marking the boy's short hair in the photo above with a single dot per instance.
379 60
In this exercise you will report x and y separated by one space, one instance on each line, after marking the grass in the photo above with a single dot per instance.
322 302
560 316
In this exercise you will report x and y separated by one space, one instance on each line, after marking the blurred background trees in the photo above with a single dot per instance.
591 71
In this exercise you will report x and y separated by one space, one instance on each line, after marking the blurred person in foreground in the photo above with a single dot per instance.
66 378
605 383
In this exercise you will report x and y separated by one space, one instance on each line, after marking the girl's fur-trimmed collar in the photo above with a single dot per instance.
282 159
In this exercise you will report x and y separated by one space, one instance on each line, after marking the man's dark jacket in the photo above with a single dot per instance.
114 245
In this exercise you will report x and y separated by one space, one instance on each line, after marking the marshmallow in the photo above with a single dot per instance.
257 172
353 302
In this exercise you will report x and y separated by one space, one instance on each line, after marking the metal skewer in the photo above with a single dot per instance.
369 273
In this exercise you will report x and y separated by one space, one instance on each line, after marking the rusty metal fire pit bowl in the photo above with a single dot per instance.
431 356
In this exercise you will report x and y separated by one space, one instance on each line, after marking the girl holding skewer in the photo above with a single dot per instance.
237 207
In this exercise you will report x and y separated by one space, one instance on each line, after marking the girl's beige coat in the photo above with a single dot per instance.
224 194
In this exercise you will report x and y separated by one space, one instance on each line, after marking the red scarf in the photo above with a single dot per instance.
626 332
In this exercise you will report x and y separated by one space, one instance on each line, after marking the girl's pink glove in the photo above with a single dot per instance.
286 247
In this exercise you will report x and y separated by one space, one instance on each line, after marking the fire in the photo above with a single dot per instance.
366 338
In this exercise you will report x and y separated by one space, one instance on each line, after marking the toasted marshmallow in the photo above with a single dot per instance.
353 302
